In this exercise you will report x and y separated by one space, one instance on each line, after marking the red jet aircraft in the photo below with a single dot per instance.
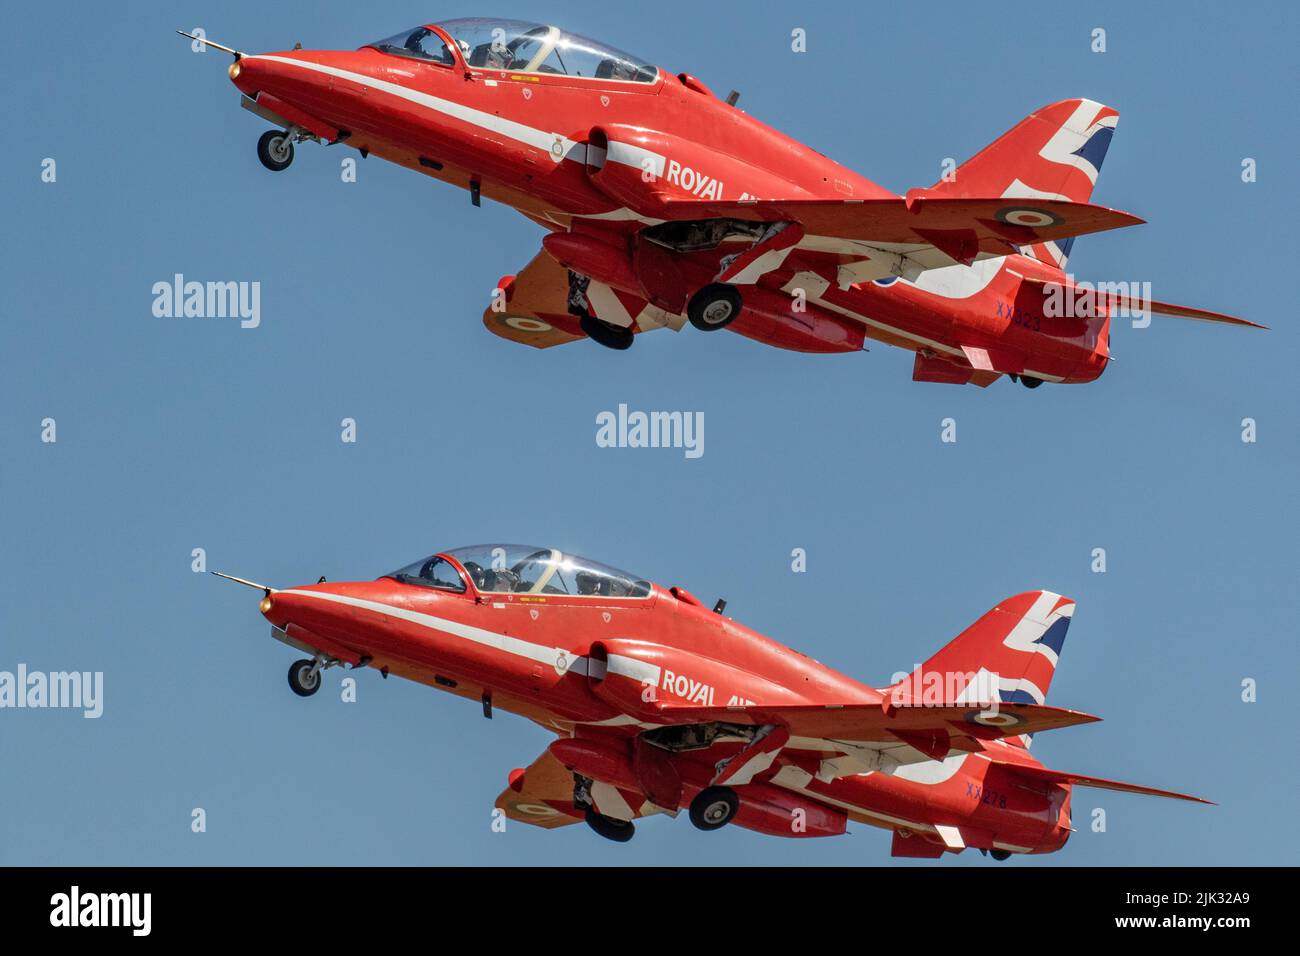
660 703
666 204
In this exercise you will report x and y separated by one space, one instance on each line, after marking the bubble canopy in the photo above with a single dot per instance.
522 569
519 47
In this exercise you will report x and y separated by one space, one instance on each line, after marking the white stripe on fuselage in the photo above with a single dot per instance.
538 139
574 663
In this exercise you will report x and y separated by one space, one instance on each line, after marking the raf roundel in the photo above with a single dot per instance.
525 324
1023 216
995 718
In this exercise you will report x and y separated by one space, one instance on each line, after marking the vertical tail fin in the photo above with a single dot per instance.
1054 153
1011 651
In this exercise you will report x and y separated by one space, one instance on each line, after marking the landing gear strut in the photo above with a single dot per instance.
713 807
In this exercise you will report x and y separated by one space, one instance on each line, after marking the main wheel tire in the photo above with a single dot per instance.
713 807
302 681
611 336
275 150
1030 382
714 307
1000 855
620 831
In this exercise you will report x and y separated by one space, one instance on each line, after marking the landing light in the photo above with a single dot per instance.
266 604
234 70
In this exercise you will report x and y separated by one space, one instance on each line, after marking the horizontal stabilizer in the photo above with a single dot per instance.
1044 775
1187 312
1131 305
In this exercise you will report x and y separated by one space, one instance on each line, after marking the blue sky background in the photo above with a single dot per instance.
175 434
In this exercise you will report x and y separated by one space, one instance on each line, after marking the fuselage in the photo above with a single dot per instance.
567 151
551 657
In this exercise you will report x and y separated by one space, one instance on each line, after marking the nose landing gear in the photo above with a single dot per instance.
275 149
304 677
275 146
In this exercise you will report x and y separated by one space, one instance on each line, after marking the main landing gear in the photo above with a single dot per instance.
620 831
714 307
611 336
1028 381
616 337
611 828
714 807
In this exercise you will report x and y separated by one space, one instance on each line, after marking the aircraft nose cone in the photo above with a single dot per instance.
278 607
246 73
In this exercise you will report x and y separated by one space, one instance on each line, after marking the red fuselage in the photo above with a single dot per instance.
553 659
538 142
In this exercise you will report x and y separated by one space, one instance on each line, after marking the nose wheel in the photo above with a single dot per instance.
275 149
304 677
714 807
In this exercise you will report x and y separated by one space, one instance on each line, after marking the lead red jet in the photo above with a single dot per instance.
660 703
664 204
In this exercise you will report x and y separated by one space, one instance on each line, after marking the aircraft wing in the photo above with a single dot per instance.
932 730
533 307
544 796
961 229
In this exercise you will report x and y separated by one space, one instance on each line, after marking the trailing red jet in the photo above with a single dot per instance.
665 204
660 703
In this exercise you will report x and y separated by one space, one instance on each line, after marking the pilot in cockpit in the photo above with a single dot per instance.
591 584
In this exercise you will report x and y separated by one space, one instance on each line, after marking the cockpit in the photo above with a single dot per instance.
519 47
521 569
